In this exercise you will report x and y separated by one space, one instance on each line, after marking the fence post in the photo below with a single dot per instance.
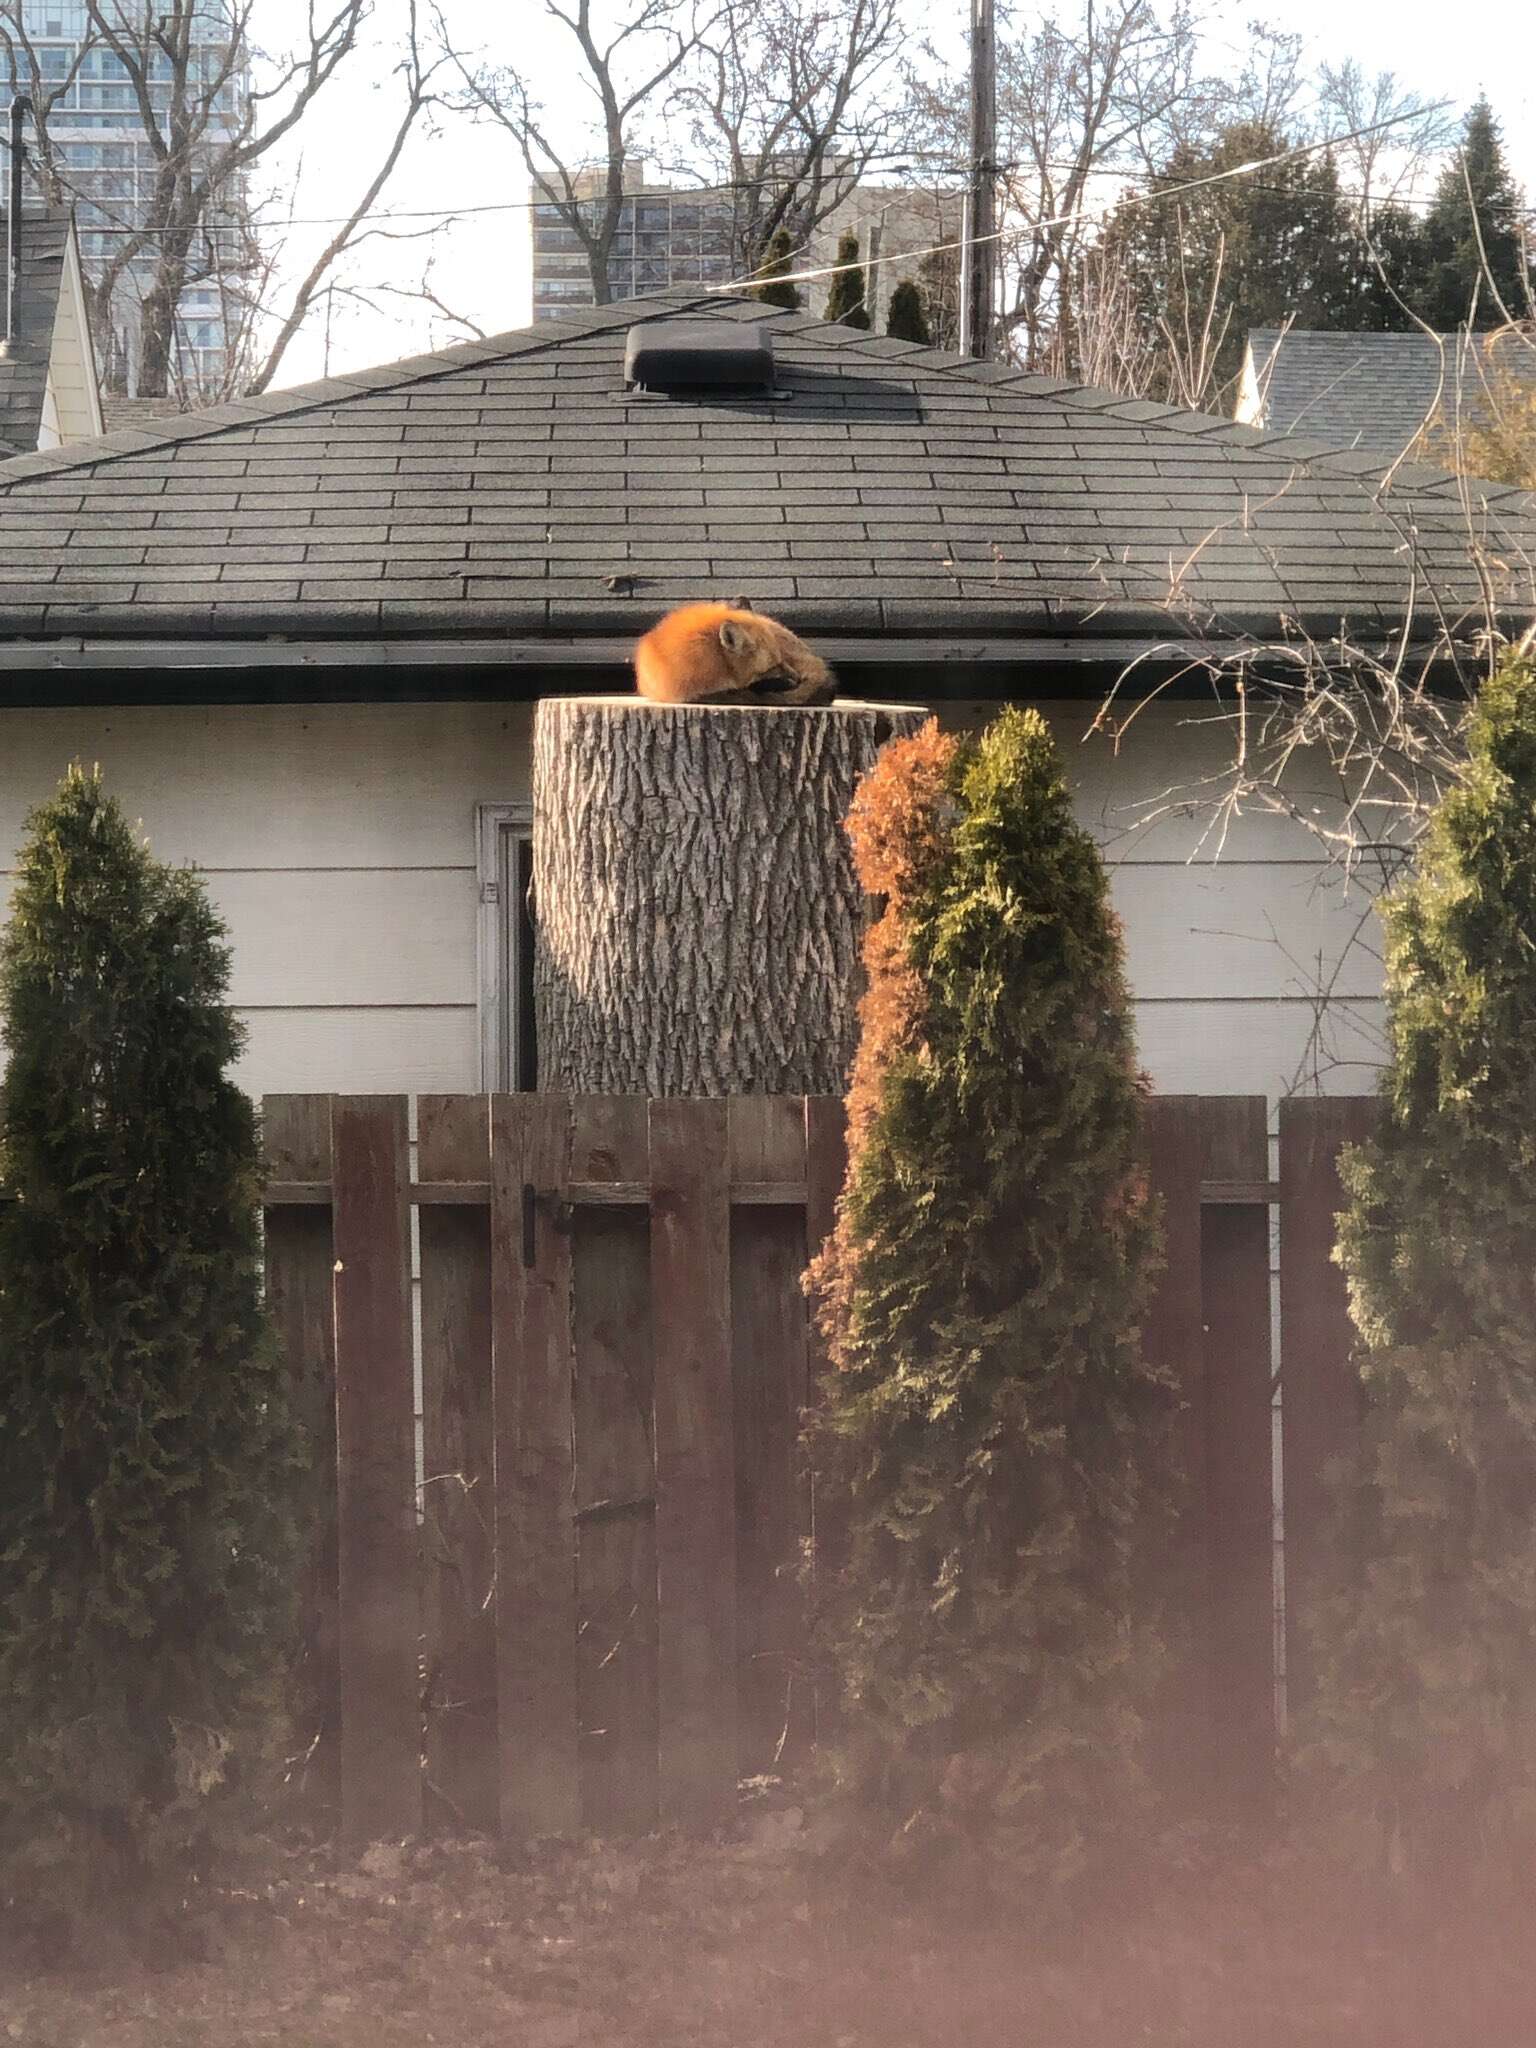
378 1551
695 1478
535 1508
1320 1399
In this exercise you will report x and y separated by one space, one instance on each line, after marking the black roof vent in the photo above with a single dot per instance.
698 355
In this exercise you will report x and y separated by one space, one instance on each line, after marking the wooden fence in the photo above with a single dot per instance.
580 1608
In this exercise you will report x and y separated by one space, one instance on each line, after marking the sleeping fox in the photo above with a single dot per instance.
728 654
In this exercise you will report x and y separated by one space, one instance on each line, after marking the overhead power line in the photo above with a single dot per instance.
1084 218
890 167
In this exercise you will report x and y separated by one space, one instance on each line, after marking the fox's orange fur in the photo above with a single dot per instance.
720 652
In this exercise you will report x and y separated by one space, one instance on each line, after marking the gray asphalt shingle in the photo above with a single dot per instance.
501 485
24 370
1374 393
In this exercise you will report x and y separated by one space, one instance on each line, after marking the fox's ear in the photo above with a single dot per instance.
742 604
733 639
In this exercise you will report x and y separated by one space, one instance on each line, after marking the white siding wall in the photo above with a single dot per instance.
1255 971
339 842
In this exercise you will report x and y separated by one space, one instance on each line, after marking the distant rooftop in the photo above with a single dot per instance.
1370 391
24 370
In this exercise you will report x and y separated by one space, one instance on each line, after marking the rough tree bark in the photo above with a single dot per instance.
698 916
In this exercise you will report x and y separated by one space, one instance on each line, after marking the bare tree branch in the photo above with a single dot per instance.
418 76
209 107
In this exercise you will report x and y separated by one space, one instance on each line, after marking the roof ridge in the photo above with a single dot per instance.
1099 399
1358 467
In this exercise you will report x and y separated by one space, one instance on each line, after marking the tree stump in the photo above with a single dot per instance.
698 917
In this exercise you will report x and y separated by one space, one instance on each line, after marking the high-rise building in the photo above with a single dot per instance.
673 235
665 236
98 138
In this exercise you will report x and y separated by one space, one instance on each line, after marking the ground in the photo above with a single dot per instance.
758 1942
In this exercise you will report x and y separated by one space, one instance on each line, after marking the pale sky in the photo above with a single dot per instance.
480 259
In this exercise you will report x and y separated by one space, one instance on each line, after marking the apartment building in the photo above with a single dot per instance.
98 136
682 235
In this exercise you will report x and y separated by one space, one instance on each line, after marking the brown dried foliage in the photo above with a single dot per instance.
899 825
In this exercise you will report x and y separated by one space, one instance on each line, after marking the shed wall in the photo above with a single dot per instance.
339 842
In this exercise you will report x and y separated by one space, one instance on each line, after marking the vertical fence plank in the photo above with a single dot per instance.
615 1474
380 1620
535 1529
296 1146
453 1144
1240 1452
1174 1340
826 1166
826 1169
770 1376
1320 1394
695 1482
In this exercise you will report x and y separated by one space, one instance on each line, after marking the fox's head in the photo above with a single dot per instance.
771 663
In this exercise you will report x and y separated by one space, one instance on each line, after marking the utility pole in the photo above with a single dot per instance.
978 307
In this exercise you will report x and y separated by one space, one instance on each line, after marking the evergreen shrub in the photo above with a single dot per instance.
992 1449
907 319
776 288
845 298
1426 1721
146 1463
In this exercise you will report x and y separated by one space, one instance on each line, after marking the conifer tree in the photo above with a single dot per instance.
907 319
991 1439
1455 270
776 288
1427 1654
1234 253
845 298
146 1462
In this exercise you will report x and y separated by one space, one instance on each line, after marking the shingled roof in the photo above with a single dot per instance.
1371 391
24 366
513 487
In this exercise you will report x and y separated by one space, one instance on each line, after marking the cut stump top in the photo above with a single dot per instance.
838 704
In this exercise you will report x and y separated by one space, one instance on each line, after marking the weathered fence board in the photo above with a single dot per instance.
296 1146
1174 1340
1238 1391
826 1159
771 1388
453 1144
695 1476
378 1545
535 1509
1319 1391
615 1471
603 1592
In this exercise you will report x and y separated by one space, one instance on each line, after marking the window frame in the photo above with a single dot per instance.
504 957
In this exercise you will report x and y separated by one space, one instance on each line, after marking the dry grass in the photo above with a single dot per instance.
755 1943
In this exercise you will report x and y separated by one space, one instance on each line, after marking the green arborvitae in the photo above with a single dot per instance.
908 318
145 1456
845 299
1427 1654
776 289
991 1442
1455 270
